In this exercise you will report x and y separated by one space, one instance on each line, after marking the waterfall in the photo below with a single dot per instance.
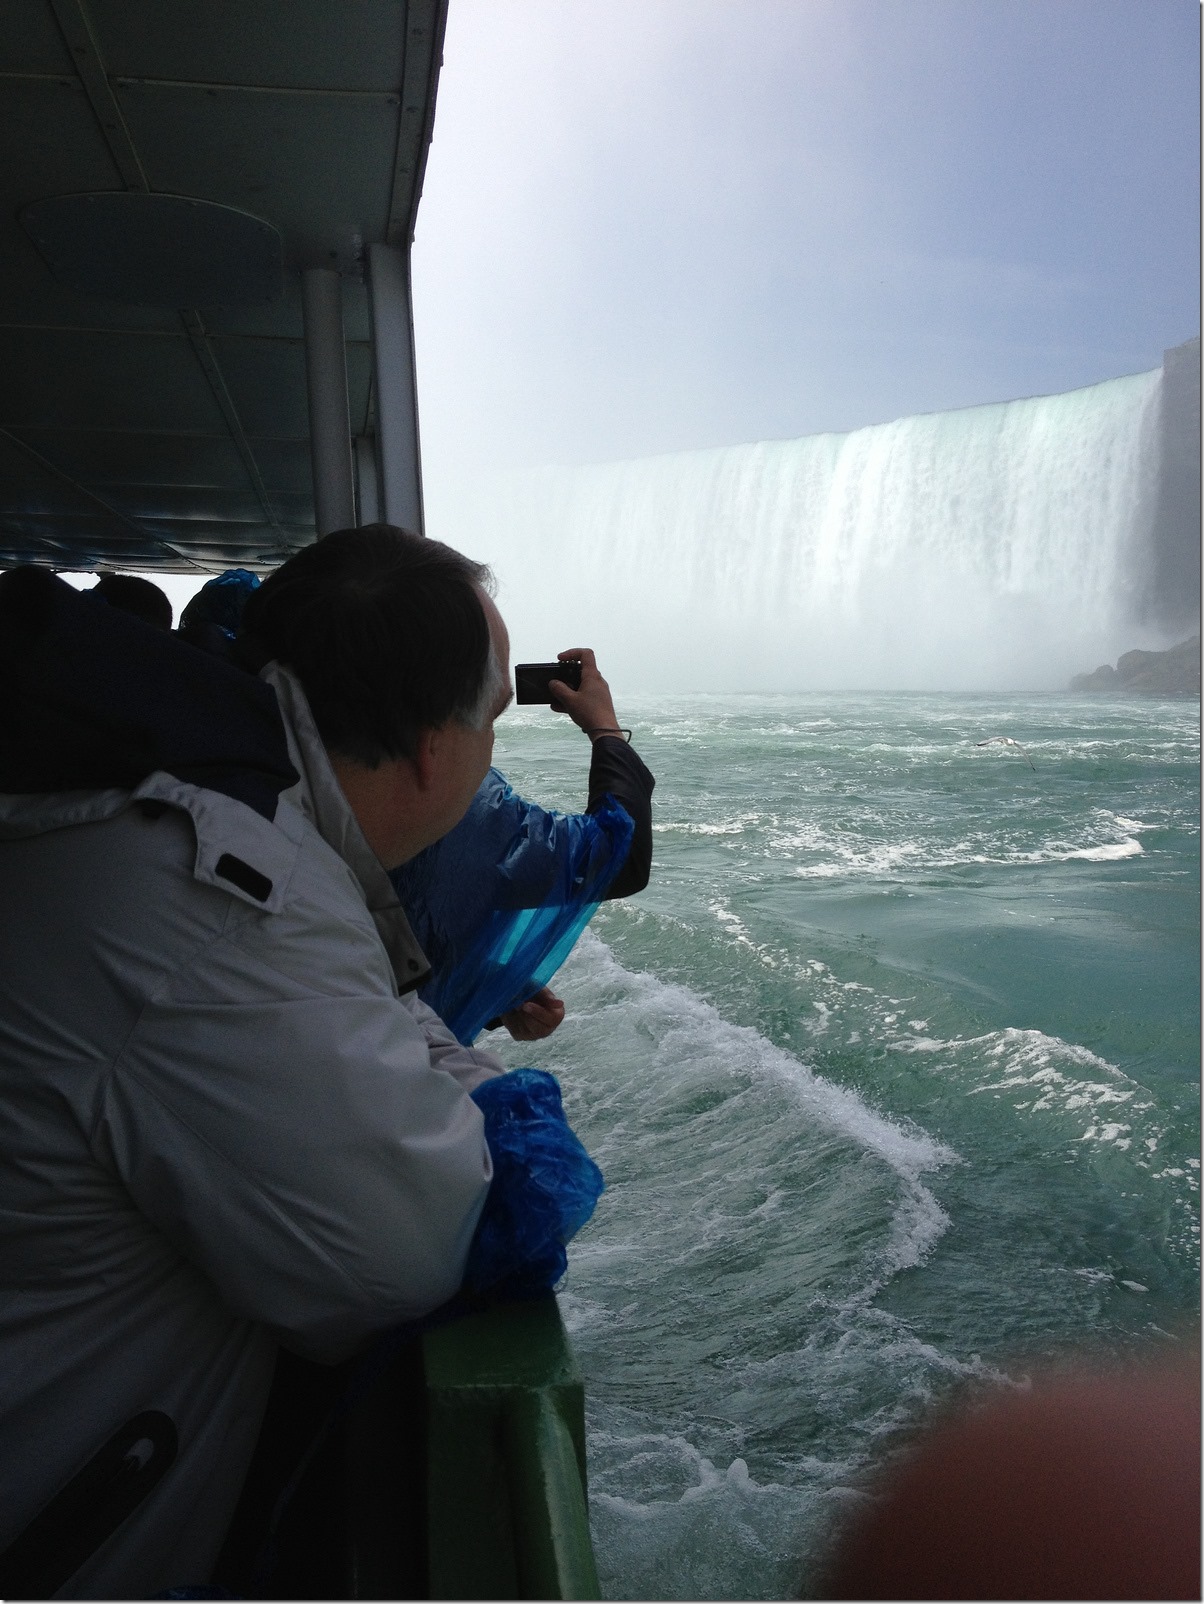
995 547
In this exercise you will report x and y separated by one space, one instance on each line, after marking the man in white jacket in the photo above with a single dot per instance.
226 1120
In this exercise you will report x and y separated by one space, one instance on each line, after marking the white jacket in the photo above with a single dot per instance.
221 1126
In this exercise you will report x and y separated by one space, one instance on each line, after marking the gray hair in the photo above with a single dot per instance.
477 714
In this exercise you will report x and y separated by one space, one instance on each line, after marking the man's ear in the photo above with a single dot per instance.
428 749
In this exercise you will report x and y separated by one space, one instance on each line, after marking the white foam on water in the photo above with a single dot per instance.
690 1031
712 1193
865 845
1035 1074
1018 1047
916 1227
856 859
688 1474
699 1527
1109 853
1038 1074
685 1038
722 827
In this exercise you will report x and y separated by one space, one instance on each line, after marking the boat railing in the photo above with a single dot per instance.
505 1458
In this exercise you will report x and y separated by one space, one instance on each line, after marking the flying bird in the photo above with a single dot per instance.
1006 740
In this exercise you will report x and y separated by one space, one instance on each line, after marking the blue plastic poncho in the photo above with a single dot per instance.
498 903
544 1187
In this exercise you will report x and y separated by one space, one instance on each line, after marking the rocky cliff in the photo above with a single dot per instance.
1174 595
1171 673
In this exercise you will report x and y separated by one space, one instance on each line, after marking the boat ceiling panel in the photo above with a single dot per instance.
118 381
104 458
50 144
266 379
165 461
31 41
204 542
346 46
218 144
154 436
49 141
84 544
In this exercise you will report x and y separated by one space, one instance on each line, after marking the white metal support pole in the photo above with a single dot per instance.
329 421
397 458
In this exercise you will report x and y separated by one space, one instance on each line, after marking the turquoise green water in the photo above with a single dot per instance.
893 1072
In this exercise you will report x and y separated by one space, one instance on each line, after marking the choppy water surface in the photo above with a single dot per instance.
893 1072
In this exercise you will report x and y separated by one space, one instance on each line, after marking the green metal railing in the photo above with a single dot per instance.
505 1461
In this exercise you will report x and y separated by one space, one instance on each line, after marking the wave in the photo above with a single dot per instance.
671 1521
1108 853
723 827
689 1032
1042 1074
857 859
1037 1074
848 847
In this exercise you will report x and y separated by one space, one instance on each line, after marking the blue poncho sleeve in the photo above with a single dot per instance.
498 903
544 1187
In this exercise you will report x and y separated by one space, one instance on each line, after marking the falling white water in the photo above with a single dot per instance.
998 547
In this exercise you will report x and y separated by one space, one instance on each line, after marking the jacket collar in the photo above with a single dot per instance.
318 795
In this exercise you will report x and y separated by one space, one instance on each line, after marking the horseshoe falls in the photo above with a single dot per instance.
1005 546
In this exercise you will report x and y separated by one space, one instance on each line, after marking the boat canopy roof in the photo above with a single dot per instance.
170 172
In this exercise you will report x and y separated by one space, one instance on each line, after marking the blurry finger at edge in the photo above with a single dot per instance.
1085 1487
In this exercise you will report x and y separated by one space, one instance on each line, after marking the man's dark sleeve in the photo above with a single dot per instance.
616 768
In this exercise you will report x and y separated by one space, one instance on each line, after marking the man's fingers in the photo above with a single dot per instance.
545 1006
589 670
538 1017
549 1012
577 702
589 706
558 703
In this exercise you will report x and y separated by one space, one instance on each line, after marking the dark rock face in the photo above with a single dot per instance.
1174 593
1171 673
1104 679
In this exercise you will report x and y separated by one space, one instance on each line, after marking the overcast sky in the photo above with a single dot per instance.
651 225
